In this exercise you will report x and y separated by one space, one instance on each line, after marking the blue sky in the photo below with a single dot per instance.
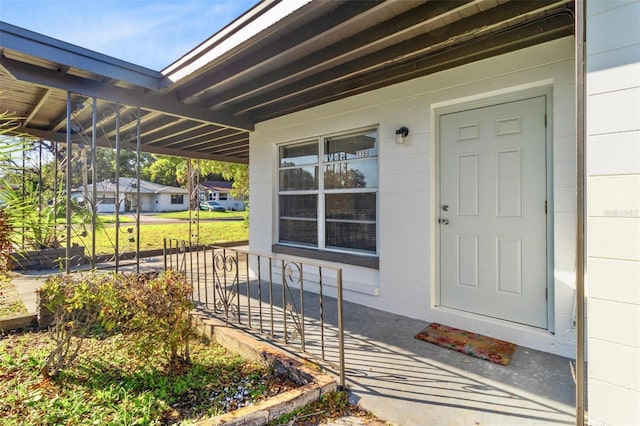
151 33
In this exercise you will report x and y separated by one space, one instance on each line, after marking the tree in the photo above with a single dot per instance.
172 171
166 170
238 173
106 164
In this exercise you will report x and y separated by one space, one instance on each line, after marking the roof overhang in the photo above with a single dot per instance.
278 58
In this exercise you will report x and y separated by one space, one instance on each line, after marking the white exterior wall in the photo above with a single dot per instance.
404 284
164 203
109 208
613 211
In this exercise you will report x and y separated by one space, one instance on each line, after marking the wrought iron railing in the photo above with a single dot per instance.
288 301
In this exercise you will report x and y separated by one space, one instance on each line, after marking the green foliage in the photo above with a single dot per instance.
12 142
76 302
172 171
80 164
39 224
9 124
238 173
154 312
111 384
202 214
27 192
6 230
152 236
161 309
166 170
106 164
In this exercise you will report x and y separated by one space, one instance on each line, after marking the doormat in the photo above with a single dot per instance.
476 345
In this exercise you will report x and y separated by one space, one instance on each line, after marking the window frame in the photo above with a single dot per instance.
177 196
320 250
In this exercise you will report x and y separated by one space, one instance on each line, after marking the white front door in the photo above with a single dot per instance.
493 234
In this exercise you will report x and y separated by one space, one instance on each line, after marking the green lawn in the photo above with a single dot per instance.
131 217
111 383
124 218
151 236
203 215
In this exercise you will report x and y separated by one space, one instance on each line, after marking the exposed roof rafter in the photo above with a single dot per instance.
38 104
36 75
280 57
275 45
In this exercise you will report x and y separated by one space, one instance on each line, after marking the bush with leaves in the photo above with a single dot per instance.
39 225
76 303
153 312
161 307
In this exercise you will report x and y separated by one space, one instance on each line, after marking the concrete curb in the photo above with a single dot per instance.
314 383
18 322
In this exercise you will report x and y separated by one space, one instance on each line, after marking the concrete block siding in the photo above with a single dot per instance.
405 281
613 211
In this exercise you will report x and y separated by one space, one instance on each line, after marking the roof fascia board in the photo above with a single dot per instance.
273 45
49 78
211 50
221 35
66 54
403 23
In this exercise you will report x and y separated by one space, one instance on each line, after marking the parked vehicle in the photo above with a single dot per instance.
212 206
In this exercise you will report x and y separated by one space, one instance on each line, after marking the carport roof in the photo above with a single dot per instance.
279 57
128 185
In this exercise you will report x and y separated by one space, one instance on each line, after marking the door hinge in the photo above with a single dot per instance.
545 120
546 293
545 207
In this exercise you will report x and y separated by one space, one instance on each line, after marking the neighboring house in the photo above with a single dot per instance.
213 190
153 197
427 148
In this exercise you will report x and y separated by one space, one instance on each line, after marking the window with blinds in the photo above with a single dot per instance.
328 193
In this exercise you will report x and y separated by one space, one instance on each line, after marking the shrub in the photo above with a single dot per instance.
75 302
152 311
161 307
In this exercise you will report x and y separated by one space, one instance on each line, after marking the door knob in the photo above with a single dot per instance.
443 221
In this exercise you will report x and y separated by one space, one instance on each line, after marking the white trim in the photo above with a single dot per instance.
216 48
320 219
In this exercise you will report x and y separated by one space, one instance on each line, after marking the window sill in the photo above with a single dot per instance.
372 262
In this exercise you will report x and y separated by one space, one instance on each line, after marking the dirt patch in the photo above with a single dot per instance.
313 384
10 302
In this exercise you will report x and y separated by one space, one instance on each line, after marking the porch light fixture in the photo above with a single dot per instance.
401 134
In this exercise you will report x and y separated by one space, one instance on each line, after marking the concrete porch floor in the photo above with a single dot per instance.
406 381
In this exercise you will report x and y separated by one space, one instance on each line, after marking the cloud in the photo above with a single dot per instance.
147 33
